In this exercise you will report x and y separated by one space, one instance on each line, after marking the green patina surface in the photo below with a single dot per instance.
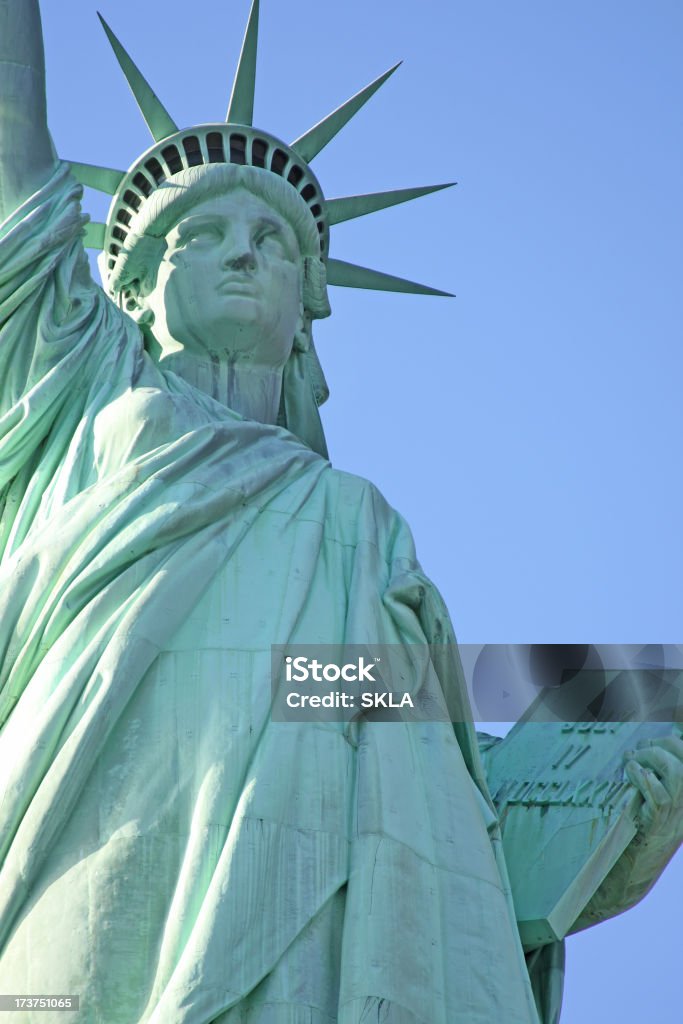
167 850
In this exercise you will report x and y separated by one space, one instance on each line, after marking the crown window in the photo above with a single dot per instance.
172 158
141 182
295 175
259 150
193 153
238 149
278 162
214 144
156 170
130 199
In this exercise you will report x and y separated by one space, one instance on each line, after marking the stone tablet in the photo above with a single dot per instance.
567 814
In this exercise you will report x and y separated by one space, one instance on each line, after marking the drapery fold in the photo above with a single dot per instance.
155 545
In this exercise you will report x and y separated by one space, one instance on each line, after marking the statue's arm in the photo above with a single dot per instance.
57 326
27 157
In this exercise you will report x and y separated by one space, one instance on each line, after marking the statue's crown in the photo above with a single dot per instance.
237 142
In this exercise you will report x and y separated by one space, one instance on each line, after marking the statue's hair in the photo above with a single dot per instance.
146 245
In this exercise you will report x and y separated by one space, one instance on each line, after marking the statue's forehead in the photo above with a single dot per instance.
238 201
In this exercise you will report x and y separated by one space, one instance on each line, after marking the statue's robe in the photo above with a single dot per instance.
170 853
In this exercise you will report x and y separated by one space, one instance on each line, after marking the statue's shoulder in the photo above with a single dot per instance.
143 415
357 492
361 506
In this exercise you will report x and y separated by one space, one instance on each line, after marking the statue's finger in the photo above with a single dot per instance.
667 766
674 745
655 794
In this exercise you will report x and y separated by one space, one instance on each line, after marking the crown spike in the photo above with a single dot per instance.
105 179
309 145
349 275
351 207
155 114
94 235
241 106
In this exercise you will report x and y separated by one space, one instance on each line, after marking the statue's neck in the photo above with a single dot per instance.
252 391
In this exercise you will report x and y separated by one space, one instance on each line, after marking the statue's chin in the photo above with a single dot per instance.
230 345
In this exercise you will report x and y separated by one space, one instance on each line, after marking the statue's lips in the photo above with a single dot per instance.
237 286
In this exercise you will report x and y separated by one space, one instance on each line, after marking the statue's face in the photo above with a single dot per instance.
229 282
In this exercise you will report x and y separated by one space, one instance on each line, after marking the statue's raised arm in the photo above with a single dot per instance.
27 157
57 329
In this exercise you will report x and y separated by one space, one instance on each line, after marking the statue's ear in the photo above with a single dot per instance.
137 282
303 333
314 288
314 301
133 301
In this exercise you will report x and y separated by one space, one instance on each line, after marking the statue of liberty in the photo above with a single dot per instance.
168 852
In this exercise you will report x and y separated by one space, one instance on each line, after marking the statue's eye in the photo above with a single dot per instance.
263 236
197 233
271 240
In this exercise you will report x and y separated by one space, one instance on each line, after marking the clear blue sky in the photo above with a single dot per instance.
530 429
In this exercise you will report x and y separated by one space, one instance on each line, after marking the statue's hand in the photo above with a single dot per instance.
656 771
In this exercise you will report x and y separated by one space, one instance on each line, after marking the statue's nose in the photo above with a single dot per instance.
241 261
238 251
